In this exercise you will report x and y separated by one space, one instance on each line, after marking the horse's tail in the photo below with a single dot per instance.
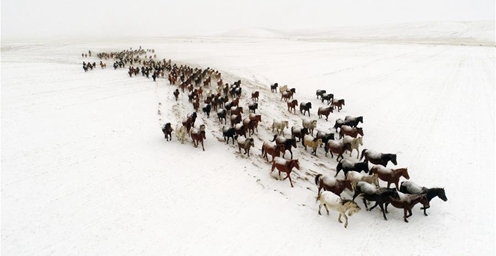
339 167
363 153
317 178
275 136
263 149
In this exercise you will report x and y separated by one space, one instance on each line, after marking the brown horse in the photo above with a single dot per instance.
287 95
337 103
198 137
286 166
324 112
350 131
337 147
390 175
256 118
332 184
254 96
274 150
407 202
292 106
245 144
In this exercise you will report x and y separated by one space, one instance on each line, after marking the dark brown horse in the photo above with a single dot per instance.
407 202
176 94
324 111
286 166
292 106
254 96
305 107
167 130
390 175
332 184
198 137
380 195
337 103
378 158
350 131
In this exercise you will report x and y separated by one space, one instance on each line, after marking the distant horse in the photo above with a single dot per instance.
287 95
221 114
407 202
279 126
176 94
235 119
292 106
325 137
371 193
273 88
378 158
337 103
286 166
167 130
198 136
250 125
310 141
253 107
390 175
283 88
409 187
337 147
324 111
355 144
327 96
347 166
206 109
330 200
298 132
354 177
305 107
228 133
286 144
245 144
240 129
350 131
309 124
320 93
256 118
254 96
272 149
181 133
353 121
332 184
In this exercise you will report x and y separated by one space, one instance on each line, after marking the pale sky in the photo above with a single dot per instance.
96 18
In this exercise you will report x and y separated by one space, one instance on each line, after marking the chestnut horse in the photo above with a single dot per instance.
407 202
324 111
350 131
332 184
198 137
274 150
292 106
378 158
286 166
390 175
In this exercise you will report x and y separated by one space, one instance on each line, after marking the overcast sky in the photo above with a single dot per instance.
70 18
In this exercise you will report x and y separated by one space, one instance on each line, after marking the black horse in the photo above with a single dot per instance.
228 133
339 122
222 115
273 87
378 158
353 121
327 96
325 137
379 195
285 143
409 187
320 93
347 166
252 107
298 133
305 107
167 130
206 110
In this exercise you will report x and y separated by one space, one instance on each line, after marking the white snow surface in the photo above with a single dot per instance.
86 169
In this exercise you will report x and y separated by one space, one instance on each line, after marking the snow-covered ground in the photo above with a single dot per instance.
86 170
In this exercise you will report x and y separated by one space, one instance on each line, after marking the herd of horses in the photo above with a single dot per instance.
224 99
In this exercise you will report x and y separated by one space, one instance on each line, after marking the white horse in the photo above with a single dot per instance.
354 177
279 126
335 202
283 88
355 143
181 133
309 124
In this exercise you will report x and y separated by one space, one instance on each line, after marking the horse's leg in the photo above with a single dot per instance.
202 145
290 181
320 206
339 217
383 211
365 203
327 209
405 215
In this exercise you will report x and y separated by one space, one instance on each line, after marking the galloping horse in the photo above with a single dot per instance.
245 144
286 166
324 111
198 136
378 158
330 200
274 150
286 144
407 202
279 126
355 144
390 175
167 130
314 143
337 147
380 195
408 187
353 121
332 184
347 166
337 104
350 131
292 106
305 107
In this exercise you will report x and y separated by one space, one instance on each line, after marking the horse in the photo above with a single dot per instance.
181 133
350 131
254 96
327 96
332 184
283 88
286 144
252 107
319 93
286 166
287 95
305 107
236 110
274 150
378 158
245 144
221 114
314 143
167 130
309 124
335 202
198 136
337 104
353 121
324 111
408 187
228 133
390 175
347 166
298 132
407 202
325 137
206 109
354 177
292 106
273 87
250 125
279 126
371 193
337 147
339 122
355 144
235 119
176 94
256 118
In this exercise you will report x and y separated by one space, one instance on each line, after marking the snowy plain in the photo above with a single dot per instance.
86 170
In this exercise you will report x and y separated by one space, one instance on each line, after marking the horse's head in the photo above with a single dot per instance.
352 207
441 194
360 140
286 124
296 163
293 142
393 159
404 172
347 184
360 131
309 105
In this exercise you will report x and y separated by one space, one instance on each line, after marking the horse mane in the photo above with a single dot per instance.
317 178
344 201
